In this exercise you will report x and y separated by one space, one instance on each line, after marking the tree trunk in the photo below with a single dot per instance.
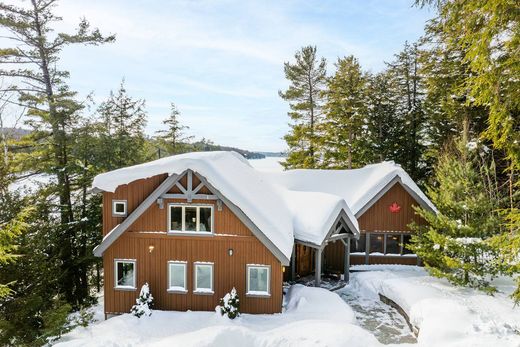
60 156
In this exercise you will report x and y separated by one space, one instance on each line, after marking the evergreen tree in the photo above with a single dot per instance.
307 77
406 80
455 242
124 119
489 32
447 103
344 135
174 136
385 127
32 66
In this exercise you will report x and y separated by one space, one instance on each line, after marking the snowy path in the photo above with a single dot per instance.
387 325
446 315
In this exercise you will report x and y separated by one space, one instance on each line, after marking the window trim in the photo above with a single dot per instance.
203 291
119 287
119 214
183 216
258 293
170 289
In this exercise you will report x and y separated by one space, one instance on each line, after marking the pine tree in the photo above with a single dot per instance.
345 126
124 119
32 67
174 136
307 77
455 243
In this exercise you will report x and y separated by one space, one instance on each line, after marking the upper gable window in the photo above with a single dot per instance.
190 218
119 208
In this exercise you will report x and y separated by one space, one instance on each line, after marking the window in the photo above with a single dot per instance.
393 244
358 246
203 278
190 218
377 243
177 276
125 274
406 242
258 280
119 208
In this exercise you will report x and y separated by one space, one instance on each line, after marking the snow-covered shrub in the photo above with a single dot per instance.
143 304
230 304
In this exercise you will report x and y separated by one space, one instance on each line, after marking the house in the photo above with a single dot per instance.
195 225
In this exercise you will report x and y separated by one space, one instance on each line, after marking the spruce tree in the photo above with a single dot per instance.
173 136
385 127
344 137
490 35
408 87
124 118
307 77
455 243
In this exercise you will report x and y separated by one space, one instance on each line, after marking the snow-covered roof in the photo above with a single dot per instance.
283 206
357 187
280 214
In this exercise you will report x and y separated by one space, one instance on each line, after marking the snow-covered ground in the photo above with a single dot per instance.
313 316
445 315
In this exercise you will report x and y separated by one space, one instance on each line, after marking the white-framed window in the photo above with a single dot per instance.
119 208
177 276
125 274
203 278
190 218
258 280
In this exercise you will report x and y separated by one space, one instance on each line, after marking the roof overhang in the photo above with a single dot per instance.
342 221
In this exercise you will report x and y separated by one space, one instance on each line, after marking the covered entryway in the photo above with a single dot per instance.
308 258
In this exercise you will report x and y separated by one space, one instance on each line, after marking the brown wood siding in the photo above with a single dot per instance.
379 218
150 229
134 193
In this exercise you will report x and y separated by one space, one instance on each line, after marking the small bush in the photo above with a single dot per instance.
143 304
230 304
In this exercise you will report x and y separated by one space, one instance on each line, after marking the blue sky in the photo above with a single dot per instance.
221 62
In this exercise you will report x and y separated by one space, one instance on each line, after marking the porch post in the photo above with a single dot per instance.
293 263
317 270
367 248
346 268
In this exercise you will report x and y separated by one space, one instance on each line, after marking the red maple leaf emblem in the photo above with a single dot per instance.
394 208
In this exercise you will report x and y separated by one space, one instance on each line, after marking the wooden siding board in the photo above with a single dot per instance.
229 271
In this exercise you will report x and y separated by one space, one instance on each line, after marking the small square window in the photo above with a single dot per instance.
125 274
258 279
119 208
177 276
204 278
